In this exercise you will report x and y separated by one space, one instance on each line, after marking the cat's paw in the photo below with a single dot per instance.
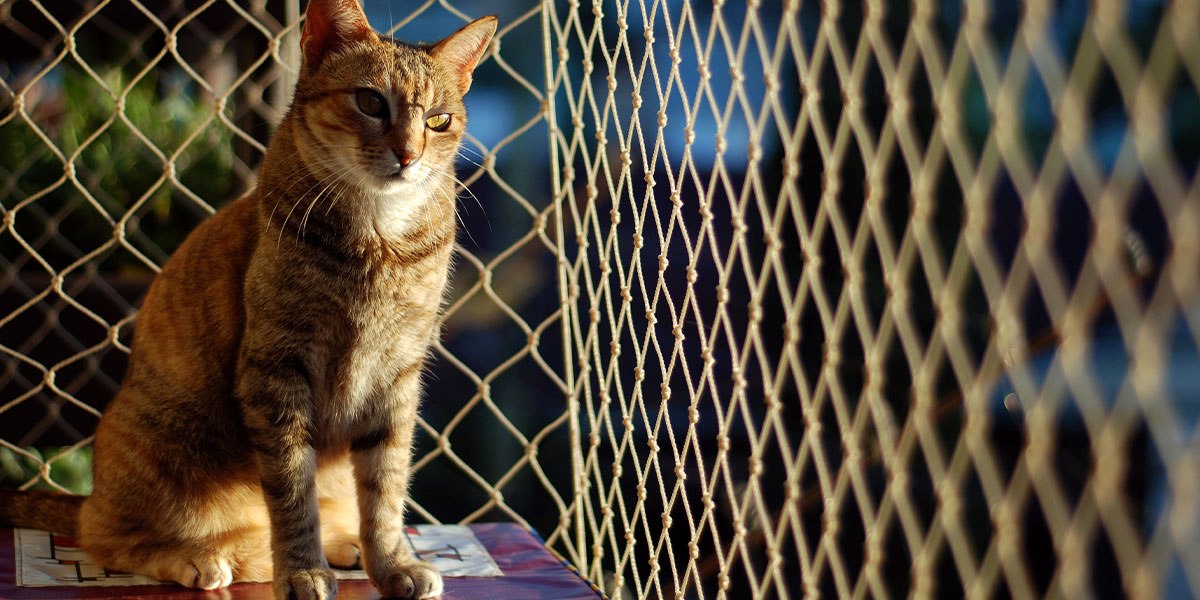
205 572
343 555
410 580
305 584
212 572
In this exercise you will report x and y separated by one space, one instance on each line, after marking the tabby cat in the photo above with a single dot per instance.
264 428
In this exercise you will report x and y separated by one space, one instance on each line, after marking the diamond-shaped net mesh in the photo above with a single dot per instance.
774 299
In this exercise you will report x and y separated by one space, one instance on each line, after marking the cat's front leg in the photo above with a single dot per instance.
278 414
381 457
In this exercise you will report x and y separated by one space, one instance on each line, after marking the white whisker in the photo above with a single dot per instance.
327 182
466 189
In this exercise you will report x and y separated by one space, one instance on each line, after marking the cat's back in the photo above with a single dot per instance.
173 421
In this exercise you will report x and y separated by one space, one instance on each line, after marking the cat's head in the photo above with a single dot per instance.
377 113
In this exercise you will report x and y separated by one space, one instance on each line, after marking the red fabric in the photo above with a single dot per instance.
530 573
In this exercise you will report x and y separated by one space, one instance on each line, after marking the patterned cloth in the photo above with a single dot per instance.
529 570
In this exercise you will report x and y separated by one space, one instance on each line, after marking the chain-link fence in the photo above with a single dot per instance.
776 299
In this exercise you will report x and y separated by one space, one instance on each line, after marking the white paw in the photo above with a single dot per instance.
204 572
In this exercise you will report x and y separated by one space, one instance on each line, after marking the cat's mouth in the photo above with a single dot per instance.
391 175
400 175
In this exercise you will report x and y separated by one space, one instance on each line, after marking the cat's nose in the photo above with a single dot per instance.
405 157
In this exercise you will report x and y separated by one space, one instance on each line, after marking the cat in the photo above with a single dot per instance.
264 428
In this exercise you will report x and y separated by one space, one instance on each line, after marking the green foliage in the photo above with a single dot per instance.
119 156
72 470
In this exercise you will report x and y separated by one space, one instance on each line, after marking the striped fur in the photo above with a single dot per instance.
264 427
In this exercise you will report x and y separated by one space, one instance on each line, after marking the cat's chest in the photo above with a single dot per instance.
384 332
379 345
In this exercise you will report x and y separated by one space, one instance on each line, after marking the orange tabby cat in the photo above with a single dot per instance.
265 425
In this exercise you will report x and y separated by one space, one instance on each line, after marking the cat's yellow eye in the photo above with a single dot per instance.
371 103
438 122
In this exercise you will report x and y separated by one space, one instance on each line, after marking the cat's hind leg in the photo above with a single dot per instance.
339 533
189 565
338 506
192 545
342 554
209 565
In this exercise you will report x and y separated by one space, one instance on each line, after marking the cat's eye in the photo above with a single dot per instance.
371 103
439 122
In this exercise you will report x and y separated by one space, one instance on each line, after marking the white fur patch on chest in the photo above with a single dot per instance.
393 215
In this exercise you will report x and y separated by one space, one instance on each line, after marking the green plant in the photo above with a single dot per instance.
120 140
71 469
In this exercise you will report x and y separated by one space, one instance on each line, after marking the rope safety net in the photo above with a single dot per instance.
774 299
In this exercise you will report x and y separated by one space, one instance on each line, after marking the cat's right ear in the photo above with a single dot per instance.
463 49
328 24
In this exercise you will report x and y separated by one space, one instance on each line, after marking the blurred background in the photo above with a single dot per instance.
752 300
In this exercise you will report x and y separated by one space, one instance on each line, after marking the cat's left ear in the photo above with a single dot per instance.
463 49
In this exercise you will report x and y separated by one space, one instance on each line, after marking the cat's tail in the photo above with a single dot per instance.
52 511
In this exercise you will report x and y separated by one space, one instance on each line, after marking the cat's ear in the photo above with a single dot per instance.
329 24
463 49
